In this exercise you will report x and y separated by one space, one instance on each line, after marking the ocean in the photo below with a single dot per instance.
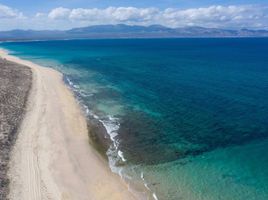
187 118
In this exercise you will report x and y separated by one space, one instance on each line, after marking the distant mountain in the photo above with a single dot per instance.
120 28
127 31
30 35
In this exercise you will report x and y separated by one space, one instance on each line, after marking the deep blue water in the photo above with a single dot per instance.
189 117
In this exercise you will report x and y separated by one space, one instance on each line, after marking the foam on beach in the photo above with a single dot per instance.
116 158
110 123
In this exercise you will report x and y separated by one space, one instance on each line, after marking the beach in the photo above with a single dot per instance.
52 157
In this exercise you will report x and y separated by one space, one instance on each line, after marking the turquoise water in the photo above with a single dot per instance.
188 117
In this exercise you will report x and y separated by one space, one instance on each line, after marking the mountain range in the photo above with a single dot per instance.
128 31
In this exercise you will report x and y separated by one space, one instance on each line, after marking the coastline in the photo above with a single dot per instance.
52 158
161 153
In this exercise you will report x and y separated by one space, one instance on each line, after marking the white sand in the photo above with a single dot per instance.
52 158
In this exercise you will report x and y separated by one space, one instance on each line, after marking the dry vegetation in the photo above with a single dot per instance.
15 83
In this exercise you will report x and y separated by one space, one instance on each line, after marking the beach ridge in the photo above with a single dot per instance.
52 158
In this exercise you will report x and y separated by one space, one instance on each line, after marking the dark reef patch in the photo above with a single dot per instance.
98 136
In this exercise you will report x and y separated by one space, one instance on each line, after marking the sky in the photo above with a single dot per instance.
67 14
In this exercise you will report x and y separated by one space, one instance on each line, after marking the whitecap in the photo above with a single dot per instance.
154 196
121 155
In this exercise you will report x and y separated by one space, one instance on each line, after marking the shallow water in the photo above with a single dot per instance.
188 117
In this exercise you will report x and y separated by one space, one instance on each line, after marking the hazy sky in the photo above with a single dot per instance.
65 14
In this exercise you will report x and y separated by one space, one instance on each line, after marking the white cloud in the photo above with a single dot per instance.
59 13
40 15
133 14
213 16
9 13
117 14
217 16
236 16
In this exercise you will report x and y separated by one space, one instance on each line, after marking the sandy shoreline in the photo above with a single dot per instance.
52 158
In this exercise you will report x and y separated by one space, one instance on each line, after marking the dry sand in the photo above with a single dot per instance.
52 158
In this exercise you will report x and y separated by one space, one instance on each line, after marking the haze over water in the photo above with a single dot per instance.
188 117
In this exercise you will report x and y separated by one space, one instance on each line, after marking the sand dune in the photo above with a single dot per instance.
52 158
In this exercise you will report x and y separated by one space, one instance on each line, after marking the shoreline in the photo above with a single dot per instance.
52 158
